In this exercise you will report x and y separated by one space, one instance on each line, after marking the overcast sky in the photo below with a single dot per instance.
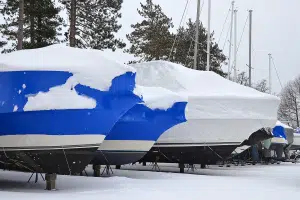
276 29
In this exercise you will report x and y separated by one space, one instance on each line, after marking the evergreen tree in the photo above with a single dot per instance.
96 24
2 42
183 51
151 38
42 23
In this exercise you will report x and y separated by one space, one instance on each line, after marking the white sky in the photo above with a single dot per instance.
275 30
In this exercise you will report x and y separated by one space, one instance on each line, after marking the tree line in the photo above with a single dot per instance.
94 24
289 108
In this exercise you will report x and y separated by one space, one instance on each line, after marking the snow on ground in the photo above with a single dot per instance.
248 182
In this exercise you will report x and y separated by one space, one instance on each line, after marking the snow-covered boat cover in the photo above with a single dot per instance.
279 123
210 98
87 67
220 98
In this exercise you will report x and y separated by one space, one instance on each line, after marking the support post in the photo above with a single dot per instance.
96 169
50 181
250 48
197 35
144 163
208 36
118 166
181 167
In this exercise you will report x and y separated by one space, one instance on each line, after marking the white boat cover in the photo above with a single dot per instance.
279 123
219 111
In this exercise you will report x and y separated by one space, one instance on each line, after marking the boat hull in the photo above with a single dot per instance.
189 153
70 160
296 143
57 140
202 140
136 132
120 152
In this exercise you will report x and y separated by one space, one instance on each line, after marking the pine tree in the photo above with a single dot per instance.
151 38
96 24
2 42
183 51
42 23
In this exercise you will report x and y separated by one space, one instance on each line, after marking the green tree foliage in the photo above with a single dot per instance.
151 38
183 51
42 23
97 23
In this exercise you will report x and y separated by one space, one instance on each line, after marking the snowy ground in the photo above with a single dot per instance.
248 182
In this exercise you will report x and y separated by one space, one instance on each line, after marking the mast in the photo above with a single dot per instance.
270 73
197 35
235 45
250 48
208 36
230 40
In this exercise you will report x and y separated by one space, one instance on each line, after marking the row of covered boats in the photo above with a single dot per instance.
63 108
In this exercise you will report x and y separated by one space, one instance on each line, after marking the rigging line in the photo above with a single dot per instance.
240 41
224 24
193 40
276 72
226 38
183 14
242 35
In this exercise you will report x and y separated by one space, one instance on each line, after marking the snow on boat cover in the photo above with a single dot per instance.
59 97
136 131
219 112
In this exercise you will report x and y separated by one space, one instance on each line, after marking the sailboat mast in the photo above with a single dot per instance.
250 48
197 35
270 73
208 36
235 45
230 40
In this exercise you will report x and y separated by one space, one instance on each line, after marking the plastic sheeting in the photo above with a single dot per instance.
219 111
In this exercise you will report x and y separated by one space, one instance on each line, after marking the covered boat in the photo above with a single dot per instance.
296 143
220 114
57 105
137 131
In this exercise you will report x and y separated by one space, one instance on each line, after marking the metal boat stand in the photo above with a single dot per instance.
36 177
155 165
107 169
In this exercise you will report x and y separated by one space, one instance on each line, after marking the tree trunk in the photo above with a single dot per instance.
20 25
73 23
39 36
32 31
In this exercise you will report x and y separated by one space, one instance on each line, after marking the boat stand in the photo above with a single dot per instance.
36 177
107 169
191 167
81 173
155 165
50 181
96 169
